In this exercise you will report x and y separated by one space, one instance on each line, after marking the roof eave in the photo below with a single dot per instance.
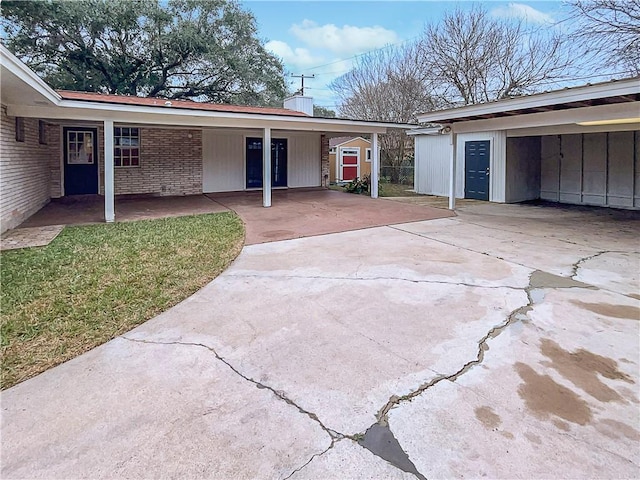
576 94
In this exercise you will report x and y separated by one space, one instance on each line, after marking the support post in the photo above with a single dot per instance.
375 165
109 200
452 170
266 168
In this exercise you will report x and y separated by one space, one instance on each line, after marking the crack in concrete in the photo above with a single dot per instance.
280 395
381 441
394 454
576 266
373 279
315 455
517 314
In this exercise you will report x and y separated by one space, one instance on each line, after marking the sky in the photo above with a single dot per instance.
322 38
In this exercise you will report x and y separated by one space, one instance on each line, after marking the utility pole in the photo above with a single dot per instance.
302 77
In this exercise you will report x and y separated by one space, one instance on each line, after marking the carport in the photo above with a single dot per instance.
297 213
577 145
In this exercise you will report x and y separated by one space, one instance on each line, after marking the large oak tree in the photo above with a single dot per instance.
205 50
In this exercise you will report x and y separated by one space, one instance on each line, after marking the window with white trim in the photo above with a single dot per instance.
126 147
367 157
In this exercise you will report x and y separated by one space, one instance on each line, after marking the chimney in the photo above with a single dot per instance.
299 103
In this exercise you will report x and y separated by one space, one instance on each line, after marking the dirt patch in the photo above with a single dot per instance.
488 417
609 310
582 368
545 397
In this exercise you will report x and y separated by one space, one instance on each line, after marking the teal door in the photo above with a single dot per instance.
476 160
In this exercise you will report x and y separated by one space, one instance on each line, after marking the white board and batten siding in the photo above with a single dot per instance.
591 169
433 153
303 160
223 156
223 159
432 164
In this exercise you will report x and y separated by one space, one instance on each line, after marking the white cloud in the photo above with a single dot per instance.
295 57
343 41
523 12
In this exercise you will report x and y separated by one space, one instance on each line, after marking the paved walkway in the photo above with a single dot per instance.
501 343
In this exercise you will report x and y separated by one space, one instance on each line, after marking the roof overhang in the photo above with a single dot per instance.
20 84
27 95
91 111
604 94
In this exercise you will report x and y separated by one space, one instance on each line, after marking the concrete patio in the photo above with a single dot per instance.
294 213
500 343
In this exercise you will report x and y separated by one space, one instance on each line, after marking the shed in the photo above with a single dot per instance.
349 158
578 145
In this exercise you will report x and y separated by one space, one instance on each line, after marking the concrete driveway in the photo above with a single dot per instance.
501 343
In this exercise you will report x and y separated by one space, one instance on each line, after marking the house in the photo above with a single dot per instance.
349 158
57 144
578 145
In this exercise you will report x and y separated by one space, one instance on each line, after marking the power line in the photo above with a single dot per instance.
302 77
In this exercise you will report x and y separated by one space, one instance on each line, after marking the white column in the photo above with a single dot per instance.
452 170
375 165
109 202
266 168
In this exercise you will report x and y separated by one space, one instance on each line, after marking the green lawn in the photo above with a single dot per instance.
95 282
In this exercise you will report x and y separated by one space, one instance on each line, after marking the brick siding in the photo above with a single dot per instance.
170 163
324 160
24 172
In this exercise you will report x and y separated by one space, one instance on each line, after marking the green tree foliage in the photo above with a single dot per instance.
205 50
323 112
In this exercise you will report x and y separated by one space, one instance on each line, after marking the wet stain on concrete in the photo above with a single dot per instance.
488 417
507 435
582 369
533 438
380 441
629 394
545 397
616 311
564 426
615 429
540 279
634 295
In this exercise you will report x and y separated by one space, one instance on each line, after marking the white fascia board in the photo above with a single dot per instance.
568 95
425 131
80 110
10 62
551 118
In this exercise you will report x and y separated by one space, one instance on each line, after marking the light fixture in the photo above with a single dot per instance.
615 121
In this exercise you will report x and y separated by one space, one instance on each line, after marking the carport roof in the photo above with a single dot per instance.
27 95
607 93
